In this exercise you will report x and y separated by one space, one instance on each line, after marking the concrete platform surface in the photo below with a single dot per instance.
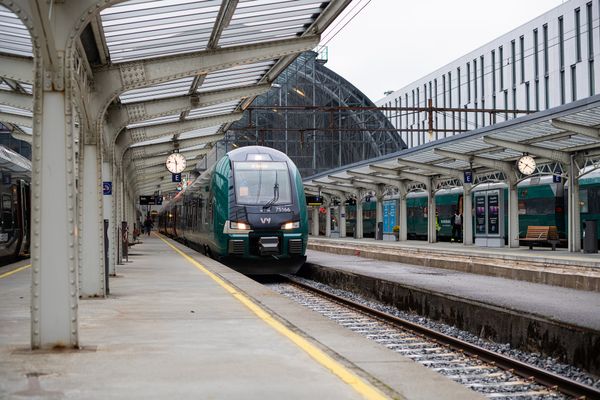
169 330
569 306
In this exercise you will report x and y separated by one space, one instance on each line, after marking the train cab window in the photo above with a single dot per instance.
260 182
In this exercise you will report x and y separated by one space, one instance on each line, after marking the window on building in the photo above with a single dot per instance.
573 82
590 40
449 89
501 66
561 43
536 89
482 75
562 87
468 83
493 72
435 95
546 57
514 101
459 87
475 79
414 117
546 92
506 104
513 63
527 98
577 34
536 58
522 49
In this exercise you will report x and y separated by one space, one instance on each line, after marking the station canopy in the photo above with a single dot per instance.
144 30
553 137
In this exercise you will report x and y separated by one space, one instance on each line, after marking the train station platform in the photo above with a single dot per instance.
554 321
180 325
539 265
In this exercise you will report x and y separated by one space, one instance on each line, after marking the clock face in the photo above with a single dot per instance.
176 163
526 165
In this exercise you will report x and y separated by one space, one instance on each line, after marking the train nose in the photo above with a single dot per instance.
268 245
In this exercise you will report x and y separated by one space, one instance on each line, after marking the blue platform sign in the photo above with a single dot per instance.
468 176
176 178
107 188
158 200
556 178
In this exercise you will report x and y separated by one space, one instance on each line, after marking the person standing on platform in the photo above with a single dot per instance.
148 225
456 227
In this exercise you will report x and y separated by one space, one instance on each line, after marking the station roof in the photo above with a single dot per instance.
150 30
551 137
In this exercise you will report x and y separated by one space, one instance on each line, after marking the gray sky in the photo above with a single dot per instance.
392 43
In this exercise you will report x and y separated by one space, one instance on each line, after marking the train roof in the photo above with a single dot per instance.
257 153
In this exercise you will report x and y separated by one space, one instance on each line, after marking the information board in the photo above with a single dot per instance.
480 214
389 216
493 214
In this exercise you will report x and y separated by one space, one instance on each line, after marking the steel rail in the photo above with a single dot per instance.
543 377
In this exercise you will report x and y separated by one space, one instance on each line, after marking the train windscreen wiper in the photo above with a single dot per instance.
275 194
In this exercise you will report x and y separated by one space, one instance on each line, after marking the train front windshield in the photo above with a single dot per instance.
262 183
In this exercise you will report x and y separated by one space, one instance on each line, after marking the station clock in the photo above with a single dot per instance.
526 164
175 163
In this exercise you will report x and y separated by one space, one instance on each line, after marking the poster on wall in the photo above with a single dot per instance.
480 215
493 213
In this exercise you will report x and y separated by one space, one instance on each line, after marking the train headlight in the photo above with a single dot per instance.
290 225
240 226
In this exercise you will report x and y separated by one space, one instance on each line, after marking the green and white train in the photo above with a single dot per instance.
248 211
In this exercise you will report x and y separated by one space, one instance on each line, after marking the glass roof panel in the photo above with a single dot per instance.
154 121
211 130
15 111
177 87
236 76
262 20
14 36
217 109
148 29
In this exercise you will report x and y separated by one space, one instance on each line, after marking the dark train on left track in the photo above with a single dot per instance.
15 211
248 211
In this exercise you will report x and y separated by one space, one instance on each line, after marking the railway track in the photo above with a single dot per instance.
492 374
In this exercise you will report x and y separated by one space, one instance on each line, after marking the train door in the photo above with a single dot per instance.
24 215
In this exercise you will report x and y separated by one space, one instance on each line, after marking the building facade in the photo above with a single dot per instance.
549 61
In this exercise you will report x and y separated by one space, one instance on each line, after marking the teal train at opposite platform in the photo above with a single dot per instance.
248 211
542 202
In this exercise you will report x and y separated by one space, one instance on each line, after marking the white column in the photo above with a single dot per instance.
91 263
54 308
315 221
431 217
359 218
467 220
574 211
402 214
328 221
107 206
378 212
342 219
513 215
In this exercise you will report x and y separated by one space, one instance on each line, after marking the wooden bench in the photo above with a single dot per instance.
540 235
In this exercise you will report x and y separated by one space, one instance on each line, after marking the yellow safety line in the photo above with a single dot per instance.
365 389
14 271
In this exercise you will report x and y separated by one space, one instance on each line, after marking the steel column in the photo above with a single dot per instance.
107 207
342 219
403 216
328 221
54 308
513 215
378 212
91 262
467 221
431 217
359 218
315 221
574 210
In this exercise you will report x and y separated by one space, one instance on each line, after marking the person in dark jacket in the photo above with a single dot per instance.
456 227
148 224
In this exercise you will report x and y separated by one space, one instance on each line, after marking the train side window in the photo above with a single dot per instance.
583 200
7 215
593 200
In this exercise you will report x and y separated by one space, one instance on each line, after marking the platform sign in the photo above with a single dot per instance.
158 200
468 178
107 188
176 178
556 178
147 200
389 216
314 200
